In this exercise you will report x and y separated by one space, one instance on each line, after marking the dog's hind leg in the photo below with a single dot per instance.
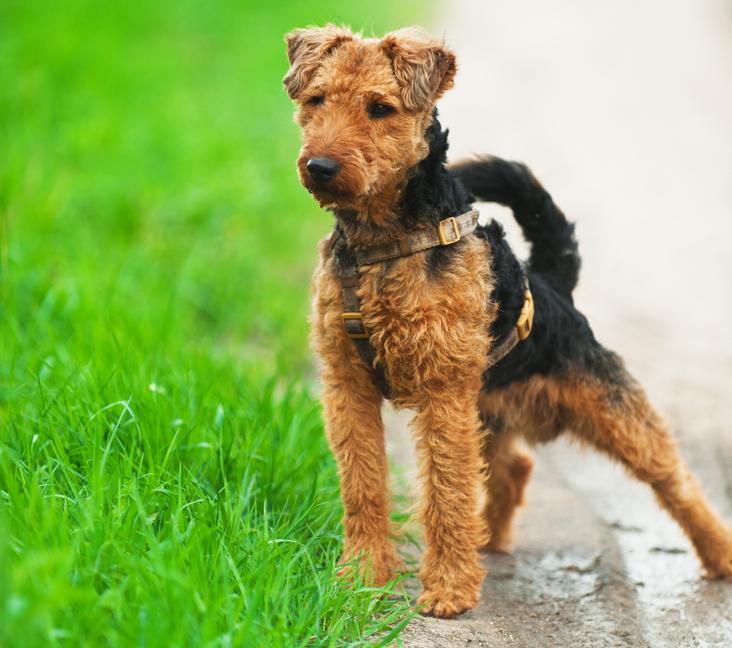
609 410
509 469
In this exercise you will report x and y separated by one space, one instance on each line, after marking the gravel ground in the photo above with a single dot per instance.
624 111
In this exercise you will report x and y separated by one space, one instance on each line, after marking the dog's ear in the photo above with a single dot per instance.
423 66
306 49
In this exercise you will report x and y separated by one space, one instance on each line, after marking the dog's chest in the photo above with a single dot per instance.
427 328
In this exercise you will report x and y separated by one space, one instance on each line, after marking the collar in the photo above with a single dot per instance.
447 232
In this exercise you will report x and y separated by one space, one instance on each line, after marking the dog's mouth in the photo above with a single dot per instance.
327 195
341 189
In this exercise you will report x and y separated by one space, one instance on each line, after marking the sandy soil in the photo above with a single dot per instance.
624 111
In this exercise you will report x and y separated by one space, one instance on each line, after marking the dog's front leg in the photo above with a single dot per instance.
352 411
448 443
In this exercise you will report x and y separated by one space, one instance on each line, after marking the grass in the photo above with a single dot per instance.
163 474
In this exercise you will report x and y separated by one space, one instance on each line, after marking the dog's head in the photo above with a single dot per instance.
363 105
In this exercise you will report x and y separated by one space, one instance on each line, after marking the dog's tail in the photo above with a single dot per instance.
554 251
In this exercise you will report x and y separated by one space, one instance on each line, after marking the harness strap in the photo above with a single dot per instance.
447 232
518 333
348 276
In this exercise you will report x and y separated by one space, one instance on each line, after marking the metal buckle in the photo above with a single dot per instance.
441 232
526 318
354 317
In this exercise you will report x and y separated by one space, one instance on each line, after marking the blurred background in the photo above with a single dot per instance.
163 476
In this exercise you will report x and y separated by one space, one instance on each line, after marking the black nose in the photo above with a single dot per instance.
322 169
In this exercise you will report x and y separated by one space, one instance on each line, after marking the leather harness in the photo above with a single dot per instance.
447 232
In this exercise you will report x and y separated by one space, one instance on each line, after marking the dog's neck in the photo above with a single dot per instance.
426 195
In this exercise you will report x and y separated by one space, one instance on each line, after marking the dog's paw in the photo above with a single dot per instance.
446 605
499 543
496 548
719 566
715 553
721 571
375 566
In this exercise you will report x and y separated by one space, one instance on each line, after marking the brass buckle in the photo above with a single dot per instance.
526 318
356 317
441 232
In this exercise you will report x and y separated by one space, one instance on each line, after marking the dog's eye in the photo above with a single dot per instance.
315 101
377 110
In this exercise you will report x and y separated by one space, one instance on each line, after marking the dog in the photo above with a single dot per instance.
414 301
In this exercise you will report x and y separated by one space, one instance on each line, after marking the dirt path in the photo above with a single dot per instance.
623 110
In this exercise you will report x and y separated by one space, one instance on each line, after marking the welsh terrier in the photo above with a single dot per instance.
414 301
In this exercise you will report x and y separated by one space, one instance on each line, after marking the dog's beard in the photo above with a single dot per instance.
348 191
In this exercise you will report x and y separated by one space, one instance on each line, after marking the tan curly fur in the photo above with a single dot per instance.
430 334
622 424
